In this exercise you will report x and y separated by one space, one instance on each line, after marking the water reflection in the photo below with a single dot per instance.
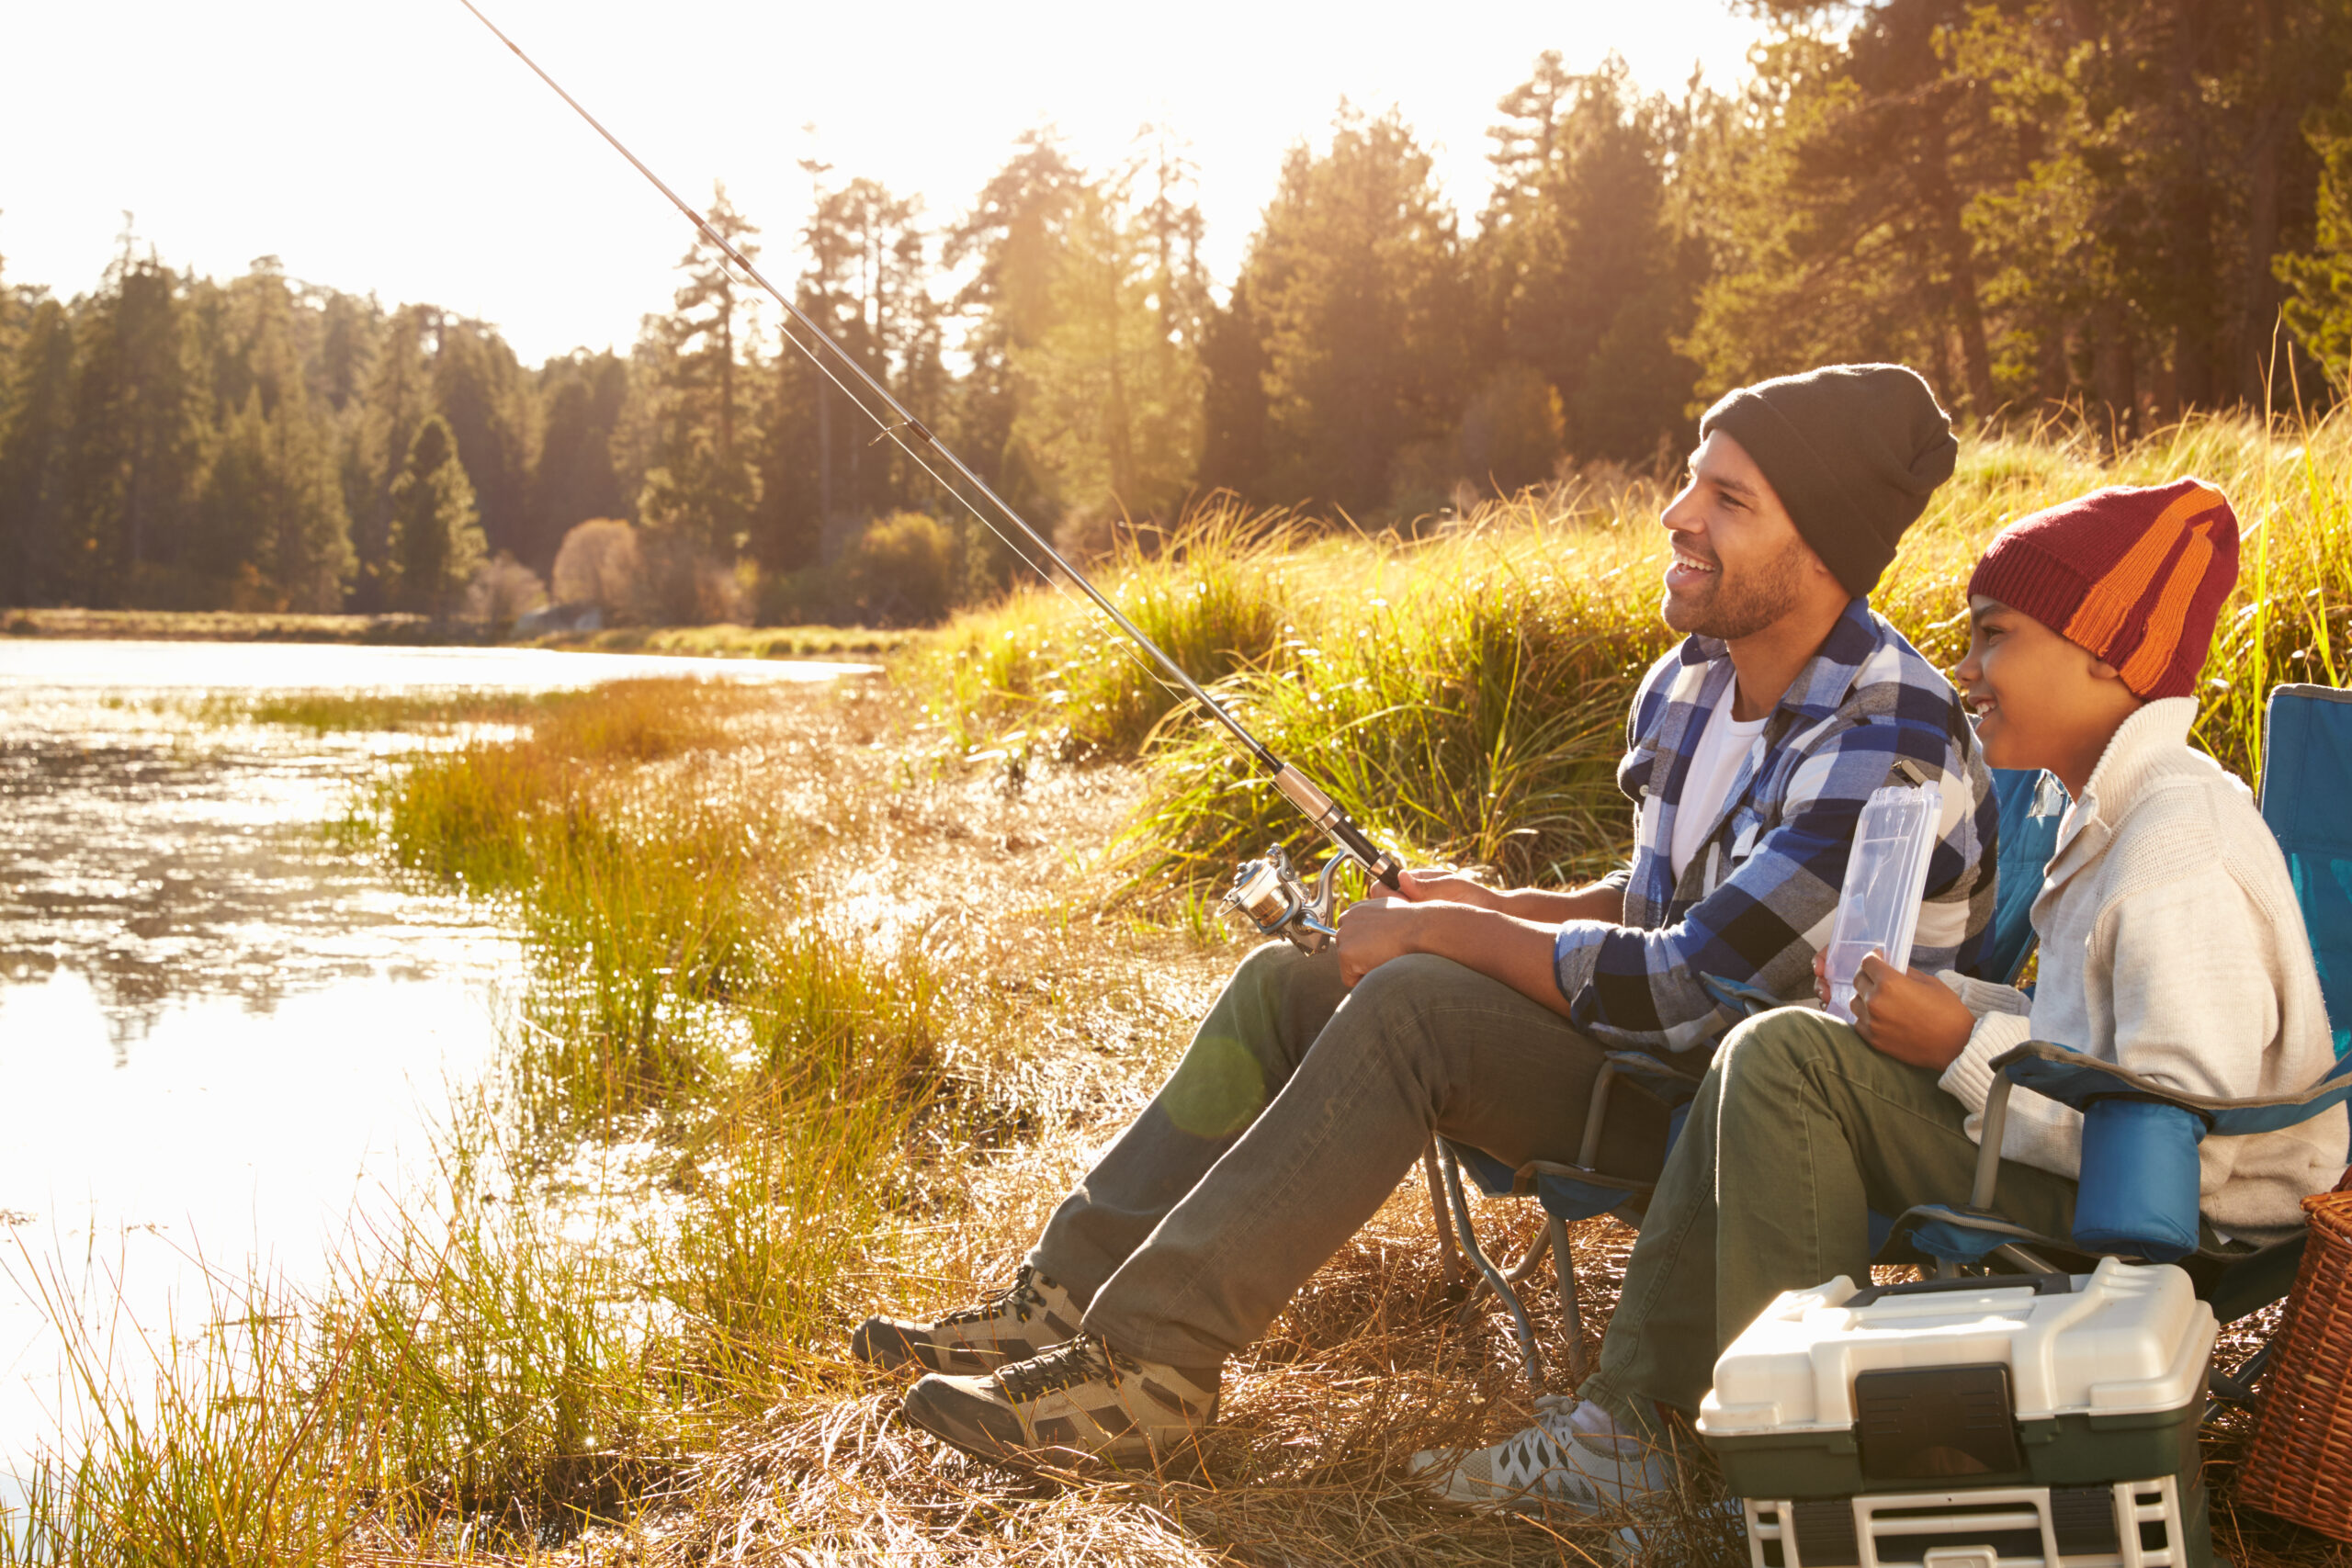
163 867
221 1037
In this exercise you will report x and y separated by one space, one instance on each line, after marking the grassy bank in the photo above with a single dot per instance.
231 626
1465 693
833 993
740 642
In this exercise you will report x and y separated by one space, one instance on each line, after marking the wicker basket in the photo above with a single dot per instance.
2300 1465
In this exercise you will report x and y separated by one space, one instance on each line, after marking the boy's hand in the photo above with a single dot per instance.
1906 1014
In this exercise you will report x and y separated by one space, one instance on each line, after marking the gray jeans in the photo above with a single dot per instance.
1294 1112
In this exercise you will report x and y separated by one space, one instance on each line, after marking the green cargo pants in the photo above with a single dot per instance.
1799 1130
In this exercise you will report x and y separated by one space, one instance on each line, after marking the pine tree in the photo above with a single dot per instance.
1843 234
436 537
1110 393
273 535
575 478
702 489
271 530
1358 275
2042 202
1012 241
868 283
36 436
399 400
1585 278
139 430
485 396
1233 397
349 329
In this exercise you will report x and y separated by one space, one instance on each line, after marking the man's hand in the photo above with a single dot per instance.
1907 1014
1446 887
1374 930
1499 945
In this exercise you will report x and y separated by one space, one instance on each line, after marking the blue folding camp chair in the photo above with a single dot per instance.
2032 805
2138 1196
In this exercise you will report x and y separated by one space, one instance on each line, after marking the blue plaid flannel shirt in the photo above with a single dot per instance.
1757 900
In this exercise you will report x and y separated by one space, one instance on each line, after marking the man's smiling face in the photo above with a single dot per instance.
1739 564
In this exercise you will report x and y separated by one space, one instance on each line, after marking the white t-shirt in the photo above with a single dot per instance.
1723 747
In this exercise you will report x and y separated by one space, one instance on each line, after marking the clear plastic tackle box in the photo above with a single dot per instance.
1987 1422
1886 875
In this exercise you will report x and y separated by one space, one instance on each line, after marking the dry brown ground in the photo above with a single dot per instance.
1088 990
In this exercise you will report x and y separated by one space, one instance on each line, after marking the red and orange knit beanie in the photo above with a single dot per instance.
2136 575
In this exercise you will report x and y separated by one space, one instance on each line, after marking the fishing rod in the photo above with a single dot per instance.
1267 889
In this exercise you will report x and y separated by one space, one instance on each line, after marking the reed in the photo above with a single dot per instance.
1046 668
329 713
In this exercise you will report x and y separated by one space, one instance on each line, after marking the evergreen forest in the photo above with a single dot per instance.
2102 212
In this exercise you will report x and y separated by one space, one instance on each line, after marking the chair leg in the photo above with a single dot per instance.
1516 1274
1449 1257
1571 1312
1526 1266
1527 1355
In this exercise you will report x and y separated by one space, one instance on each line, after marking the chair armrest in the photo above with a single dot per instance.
2060 1073
2138 1178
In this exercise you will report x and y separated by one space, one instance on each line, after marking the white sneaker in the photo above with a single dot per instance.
1549 1463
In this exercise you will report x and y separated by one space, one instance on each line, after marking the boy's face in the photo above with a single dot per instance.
1739 563
2039 701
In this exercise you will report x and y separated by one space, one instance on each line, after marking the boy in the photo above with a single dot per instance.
2171 942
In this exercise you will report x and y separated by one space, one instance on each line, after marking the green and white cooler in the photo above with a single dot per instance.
1985 1423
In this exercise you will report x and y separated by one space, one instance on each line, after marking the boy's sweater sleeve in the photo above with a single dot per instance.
2002 1021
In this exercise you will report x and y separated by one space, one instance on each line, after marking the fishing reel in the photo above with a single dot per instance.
1276 900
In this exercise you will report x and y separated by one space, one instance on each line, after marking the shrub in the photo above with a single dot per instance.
900 572
502 589
600 564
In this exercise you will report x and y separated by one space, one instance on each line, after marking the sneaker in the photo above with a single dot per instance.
1548 1464
1079 1401
1012 1326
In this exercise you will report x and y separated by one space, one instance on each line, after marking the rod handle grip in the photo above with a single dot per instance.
1334 824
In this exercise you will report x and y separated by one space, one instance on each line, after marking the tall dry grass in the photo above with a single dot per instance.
1464 693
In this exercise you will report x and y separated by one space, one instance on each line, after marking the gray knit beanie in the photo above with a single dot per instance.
1853 451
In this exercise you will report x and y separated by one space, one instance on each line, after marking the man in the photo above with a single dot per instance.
1315 1083
2171 945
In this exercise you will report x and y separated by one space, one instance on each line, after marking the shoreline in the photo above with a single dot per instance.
717 641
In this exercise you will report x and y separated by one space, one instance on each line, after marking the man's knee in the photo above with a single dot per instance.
1269 967
1415 982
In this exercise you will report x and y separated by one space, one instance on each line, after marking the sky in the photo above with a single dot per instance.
399 149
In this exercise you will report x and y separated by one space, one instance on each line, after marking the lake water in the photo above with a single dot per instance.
221 1037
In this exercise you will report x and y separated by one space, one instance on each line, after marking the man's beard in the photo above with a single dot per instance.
1743 604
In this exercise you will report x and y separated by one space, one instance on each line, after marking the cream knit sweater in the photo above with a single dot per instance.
2171 945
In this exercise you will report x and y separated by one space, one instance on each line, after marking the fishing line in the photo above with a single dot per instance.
962 500
1265 890
906 420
